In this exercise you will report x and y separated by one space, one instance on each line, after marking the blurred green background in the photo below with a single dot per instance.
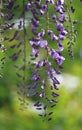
68 112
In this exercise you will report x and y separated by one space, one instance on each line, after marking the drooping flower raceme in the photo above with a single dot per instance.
45 38
2 46
41 40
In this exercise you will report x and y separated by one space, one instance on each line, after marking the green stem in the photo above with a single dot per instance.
71 23
24 39
47 28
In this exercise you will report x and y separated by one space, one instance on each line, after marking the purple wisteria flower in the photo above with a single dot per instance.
41 34
38 42
52 35
59 6
57 57
53 16
60 46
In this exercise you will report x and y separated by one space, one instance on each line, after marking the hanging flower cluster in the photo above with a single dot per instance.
46 28
41 40
2 47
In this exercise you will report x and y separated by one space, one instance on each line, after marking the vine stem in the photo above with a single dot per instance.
24 36
0 12
47 27
24 39
70 21
1 21
71 28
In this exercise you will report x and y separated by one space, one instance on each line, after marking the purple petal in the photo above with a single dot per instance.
55 94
